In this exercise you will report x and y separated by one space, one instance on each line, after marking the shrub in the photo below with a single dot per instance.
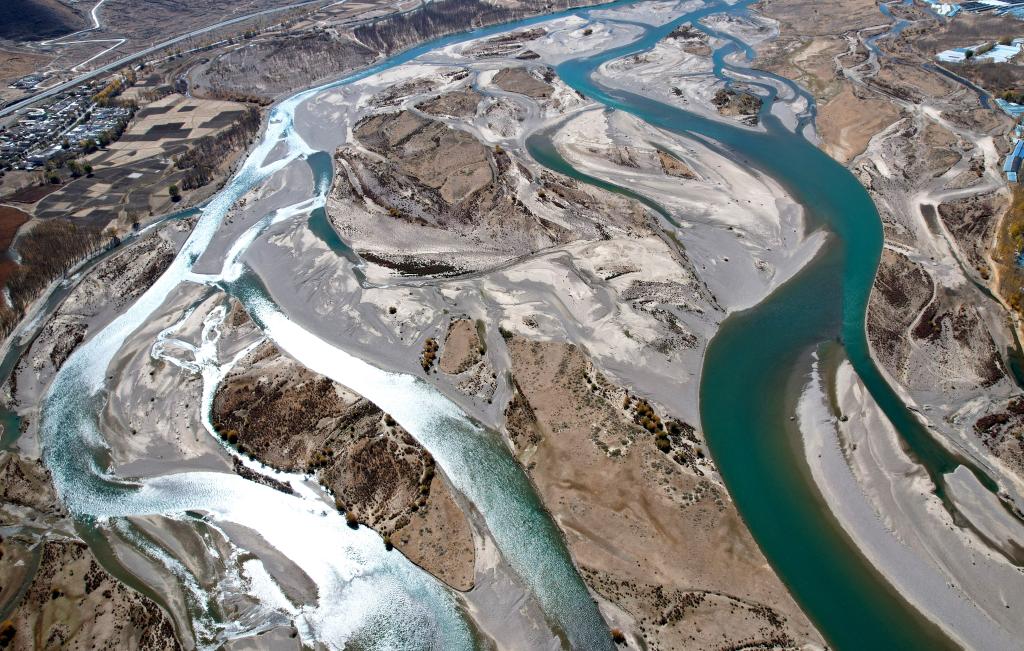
429 353
618 637
351 520
481 335
7 632
201 160
991 421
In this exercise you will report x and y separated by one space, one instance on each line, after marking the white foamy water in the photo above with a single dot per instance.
363 592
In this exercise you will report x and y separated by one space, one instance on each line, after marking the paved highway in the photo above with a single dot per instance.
59 88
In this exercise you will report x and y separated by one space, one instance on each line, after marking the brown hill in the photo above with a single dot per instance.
33 20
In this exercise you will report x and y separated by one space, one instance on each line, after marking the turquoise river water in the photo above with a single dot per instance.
749 388
746 401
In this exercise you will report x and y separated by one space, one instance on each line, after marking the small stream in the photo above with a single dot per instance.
754 365
367 596
378 600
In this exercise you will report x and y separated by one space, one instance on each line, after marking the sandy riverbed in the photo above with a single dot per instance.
884 501
579 266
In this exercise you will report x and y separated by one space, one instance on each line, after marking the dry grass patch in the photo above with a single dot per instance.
1008 277
848 122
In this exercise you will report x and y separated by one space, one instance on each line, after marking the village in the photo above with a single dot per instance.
71 124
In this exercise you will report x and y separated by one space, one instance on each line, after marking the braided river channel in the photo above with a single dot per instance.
374 599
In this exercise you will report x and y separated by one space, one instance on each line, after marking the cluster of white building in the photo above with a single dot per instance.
998 53
57 128
1014 8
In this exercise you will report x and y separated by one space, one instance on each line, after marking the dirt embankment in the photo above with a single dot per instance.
901 291
72 602
675 167
914 324
972 222
463 357
461 104
645 518
808 18
1002 432
1008 277
533 84
449 161
462 347
447 202
731 103
812 40
69 601
292 419
113 284
692 39
849 120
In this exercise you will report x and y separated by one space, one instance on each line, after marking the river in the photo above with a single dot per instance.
379 600
752 369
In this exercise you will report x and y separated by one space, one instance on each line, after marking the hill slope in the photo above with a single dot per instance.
33 20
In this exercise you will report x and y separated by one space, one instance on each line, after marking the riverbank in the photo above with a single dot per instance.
52 585
653 297
879 505
935 333
608 263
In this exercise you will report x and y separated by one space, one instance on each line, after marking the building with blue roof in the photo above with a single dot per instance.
1012 164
